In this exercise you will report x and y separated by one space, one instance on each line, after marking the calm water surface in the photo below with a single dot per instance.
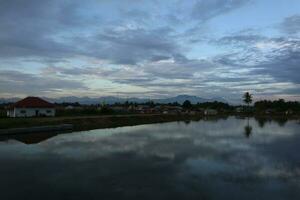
208 159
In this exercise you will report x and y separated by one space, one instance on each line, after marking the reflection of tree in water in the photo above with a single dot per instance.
281 121
248 129
215 118
263 120
187 122
31 138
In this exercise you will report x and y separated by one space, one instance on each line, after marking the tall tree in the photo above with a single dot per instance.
247 98
187 104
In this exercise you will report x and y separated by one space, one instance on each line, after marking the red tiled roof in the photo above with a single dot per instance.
32 102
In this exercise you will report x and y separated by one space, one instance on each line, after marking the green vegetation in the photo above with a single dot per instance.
94 122
220 106
85 117
3 109
187 104
247 98
277 106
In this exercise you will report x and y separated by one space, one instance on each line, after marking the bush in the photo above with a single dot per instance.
2 113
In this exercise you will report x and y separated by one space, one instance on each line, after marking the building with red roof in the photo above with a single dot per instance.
31 107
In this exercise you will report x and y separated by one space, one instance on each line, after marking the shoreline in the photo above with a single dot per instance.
83 123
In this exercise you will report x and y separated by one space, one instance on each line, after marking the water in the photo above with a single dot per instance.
208 159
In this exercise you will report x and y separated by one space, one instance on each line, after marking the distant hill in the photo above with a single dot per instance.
9 100
111 100
193 99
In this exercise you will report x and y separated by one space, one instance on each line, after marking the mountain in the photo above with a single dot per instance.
97 100
9 100
181 98
111 100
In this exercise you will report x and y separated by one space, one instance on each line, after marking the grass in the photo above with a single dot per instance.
110 121
93 122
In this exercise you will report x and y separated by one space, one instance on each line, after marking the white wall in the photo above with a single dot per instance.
210 112
10 113
32 112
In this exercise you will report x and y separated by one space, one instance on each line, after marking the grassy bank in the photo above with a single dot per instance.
94 122
111 121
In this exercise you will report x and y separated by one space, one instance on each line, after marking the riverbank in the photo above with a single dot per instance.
81 123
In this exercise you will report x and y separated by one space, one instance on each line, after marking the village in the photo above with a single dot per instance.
38 107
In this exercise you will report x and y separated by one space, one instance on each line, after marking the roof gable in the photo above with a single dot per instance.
32 102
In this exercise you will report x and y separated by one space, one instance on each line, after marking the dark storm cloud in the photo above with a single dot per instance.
291 25
205 10
24 83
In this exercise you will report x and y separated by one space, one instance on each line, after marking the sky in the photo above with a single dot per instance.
150 48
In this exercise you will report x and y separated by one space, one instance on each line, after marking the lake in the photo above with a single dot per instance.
225 158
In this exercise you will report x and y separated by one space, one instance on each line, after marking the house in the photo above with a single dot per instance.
31 107
289 112
119 109
171 109
239 109
69 107
269 111
144 109
210 112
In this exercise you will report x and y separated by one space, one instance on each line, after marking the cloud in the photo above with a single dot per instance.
237 39
130 46
66 29
168 77
32 28
283 68
16 83
148 47
291 25
206 10
277 57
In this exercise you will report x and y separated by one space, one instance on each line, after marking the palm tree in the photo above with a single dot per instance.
247 98
248 130
187 104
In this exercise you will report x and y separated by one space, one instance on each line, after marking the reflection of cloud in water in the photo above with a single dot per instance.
223 136
210 154
279 173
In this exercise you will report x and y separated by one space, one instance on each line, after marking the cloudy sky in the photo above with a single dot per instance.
150 48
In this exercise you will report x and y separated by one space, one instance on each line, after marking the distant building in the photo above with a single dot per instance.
170 109
269 111
144 109
31 107
239 109
69 107
289 112
119 108
210 112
